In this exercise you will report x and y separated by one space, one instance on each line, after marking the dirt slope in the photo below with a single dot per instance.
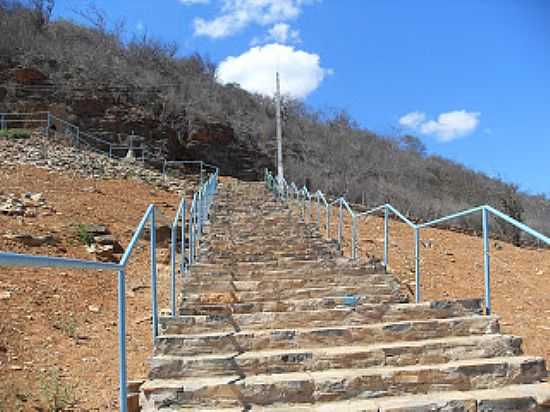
58 333
452 267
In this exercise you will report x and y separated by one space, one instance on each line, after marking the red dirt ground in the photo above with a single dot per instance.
51 343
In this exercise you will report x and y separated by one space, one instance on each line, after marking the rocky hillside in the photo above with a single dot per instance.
113 88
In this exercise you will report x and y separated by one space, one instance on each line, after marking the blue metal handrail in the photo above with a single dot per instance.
389 210
198 217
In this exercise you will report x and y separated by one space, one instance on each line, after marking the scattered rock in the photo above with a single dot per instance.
143 320
427 244
5 295
97 230
63 158
31 240
94 308
108 240
27 204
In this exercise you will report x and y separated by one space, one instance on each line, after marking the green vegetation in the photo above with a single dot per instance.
84 235
55 394
15 134
69 326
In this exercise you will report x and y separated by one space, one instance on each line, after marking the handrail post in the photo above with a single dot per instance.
304 206
318 211
327 219
199 214
195 227
310 208
353 237
153 251
386 238
49 125
183 218
340 225
486 260
173 253
122 371
191 235
417 264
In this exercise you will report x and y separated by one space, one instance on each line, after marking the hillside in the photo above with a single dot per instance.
113 88
66 347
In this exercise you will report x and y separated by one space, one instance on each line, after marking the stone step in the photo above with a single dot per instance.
378 311
512 398
297 338
355 313
241 272
342 384
429 351
369 293
280 263
230 257
263 320
298 282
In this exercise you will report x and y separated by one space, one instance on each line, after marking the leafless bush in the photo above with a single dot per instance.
328 151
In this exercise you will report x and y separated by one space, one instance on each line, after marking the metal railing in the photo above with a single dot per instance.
204 168
47 122
285 191
198 217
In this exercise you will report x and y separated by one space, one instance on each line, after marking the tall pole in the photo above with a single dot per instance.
280 172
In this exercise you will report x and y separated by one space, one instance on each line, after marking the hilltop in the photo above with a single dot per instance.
112 87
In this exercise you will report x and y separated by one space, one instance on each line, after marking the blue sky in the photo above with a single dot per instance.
471 78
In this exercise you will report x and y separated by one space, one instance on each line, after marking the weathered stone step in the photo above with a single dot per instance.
215 285
369 293
264 320
512 398
255 340
270 270
300 360
342 384
378 311
355 312
231 256
243 252
282 262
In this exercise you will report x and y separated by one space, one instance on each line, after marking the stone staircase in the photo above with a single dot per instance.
274 319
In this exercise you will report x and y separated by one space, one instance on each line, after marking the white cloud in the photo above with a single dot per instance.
279 33
301 72
192 2
447 127
412 120
235 15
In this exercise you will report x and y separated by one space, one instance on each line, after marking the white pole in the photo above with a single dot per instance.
280 172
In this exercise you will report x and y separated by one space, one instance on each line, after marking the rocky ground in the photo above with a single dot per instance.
58 334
